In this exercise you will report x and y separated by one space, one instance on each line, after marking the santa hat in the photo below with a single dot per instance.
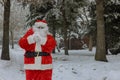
41 23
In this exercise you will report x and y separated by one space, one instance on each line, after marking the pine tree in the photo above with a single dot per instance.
61 16
38 11
111 17
69 10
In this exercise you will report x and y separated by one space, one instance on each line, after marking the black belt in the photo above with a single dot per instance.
34 54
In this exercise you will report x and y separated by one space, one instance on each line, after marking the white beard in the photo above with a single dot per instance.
41 32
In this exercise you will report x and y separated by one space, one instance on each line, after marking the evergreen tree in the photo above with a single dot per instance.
112 18
112 22
38 11
69 9
60 15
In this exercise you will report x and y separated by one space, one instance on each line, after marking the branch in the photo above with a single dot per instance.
85 14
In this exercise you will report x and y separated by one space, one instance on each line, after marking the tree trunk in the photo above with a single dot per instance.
12 39
5 45
69 41
65 41
100 48
54 35
90 42
65 27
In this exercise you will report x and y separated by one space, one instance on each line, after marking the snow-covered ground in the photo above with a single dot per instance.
79 65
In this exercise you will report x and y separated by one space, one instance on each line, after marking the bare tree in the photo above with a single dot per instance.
100 49
5 45
17 21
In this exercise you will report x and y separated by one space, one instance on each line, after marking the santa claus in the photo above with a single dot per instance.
38 45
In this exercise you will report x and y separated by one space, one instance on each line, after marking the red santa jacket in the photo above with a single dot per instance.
40 62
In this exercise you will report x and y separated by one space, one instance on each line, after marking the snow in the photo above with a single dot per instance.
79 65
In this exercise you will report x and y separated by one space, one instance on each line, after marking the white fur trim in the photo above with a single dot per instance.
38 66
38 47
40 24
30 39
38 60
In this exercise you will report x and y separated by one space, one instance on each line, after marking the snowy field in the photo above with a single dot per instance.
79 65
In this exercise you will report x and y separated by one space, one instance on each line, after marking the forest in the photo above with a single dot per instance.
99 20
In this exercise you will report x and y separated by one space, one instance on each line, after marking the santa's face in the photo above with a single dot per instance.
42 30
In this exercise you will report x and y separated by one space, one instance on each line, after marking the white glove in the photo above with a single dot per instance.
36 37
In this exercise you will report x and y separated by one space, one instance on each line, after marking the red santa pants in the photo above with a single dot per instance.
38 74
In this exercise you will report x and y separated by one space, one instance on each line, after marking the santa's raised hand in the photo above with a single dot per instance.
36 37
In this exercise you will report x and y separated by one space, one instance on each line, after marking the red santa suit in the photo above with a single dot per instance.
39 67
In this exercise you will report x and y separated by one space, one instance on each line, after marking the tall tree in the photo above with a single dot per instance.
69 10
112 22
92 25
5 45
53 19
65 27
112 19
100 49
